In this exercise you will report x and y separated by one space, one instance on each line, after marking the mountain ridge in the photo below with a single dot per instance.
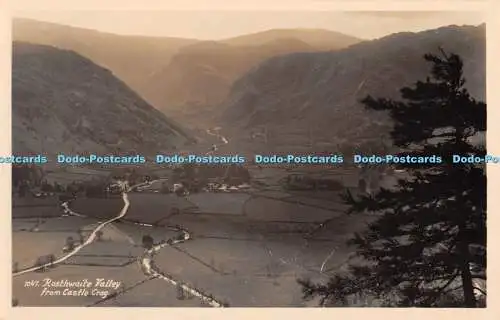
199 76
322 90
130 58
56 109
147 64
315 37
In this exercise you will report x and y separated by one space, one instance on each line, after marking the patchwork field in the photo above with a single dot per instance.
244 248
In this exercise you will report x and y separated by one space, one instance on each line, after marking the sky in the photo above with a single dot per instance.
214 25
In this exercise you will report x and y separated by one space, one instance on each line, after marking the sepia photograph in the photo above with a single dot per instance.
236 159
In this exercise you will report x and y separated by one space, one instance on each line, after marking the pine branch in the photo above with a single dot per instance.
480 290
479 276
460 287
440 291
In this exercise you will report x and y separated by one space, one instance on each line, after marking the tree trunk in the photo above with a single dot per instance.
469 298
467 285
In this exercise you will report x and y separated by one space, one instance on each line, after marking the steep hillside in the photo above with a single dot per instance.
133 59
184 78
63 102
300 95
200 76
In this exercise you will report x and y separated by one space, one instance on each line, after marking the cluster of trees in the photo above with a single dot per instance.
54 187
194 176
427 245
147 242
92 189
133 175
96 190
27 175
43 260
304 182
70 244
26 178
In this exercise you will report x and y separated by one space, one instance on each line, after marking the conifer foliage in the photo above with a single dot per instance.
427 244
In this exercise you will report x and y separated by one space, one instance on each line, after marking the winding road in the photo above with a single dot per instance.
151 269
89 240
217 134
146 260
93 235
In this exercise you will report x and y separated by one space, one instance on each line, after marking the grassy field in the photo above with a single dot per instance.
28 246
246 249
152 293
96 207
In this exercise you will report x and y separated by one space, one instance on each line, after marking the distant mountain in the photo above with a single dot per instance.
185 78
200 76
303 94
63 102
318 38
133 59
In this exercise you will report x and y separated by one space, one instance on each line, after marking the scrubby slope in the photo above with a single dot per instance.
200 76
296 94
63 102
133 59
184 78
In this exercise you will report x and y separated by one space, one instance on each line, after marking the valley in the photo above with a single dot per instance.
206 235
